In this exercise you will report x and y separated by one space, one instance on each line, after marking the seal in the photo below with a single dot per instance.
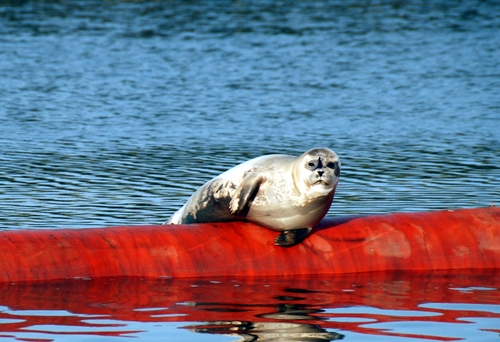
280 192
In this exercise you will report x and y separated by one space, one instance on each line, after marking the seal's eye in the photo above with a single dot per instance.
331 165
311 165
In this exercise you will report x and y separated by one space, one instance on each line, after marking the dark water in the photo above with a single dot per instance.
114 112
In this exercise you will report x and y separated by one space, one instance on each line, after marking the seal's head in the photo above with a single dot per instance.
317 172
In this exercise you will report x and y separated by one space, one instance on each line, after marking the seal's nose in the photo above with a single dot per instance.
320 173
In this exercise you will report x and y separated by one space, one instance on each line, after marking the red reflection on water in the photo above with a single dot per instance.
270 309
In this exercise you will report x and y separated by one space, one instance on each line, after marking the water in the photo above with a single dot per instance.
113 113
364 307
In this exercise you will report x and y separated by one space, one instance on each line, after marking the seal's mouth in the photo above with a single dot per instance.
321 182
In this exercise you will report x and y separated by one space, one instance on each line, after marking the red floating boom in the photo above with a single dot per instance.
441 240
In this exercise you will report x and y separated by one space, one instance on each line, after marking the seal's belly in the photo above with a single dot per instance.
288 217
279 206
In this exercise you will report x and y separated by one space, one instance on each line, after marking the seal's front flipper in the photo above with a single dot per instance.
292 237
245 193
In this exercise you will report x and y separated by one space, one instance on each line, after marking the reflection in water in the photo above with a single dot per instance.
379 306
270 331
281 327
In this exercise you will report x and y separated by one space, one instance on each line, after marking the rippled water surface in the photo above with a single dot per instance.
411 307
114 112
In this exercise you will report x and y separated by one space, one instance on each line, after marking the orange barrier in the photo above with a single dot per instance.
441 240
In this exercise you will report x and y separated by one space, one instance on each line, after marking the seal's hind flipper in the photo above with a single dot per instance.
290 238
245 193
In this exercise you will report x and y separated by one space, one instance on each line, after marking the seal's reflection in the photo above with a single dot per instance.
283 325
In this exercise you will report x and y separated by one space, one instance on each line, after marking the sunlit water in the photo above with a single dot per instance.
113 113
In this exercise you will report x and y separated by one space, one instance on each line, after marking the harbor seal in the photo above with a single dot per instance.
280 192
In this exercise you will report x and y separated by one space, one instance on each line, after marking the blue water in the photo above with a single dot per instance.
114 112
